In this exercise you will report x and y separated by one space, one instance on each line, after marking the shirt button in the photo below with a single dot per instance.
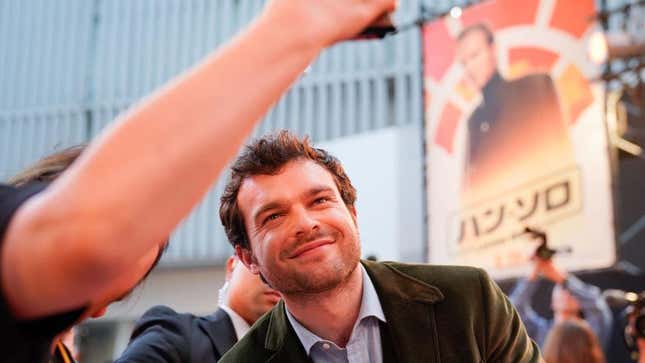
326 346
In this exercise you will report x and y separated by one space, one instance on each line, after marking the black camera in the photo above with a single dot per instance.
634 304
543 251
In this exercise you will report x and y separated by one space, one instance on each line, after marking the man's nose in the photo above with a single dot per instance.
304 221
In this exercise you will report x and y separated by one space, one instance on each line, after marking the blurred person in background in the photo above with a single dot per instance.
636 346
572 341
163 335
634 325
84 232
571 299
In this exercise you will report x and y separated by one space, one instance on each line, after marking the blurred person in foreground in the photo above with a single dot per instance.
163 335
244 298
84 232
289 211
571 299
43 172
572 341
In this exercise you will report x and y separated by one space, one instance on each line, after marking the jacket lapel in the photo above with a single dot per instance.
281 339
408 307
220 329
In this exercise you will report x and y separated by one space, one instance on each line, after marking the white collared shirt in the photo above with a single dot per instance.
364 343
239 324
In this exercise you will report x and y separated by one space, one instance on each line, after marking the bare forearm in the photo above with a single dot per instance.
161 158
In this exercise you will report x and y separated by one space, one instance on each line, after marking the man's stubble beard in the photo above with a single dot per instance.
307 282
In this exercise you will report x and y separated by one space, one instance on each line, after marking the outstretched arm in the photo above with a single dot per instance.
521 298
85 232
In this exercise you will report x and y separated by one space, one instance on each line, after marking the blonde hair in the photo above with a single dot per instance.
48 168
572 341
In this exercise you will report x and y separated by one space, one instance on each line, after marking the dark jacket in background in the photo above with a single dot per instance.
163 335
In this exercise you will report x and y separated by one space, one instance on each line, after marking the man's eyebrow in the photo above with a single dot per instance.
277 204
317 190
265 208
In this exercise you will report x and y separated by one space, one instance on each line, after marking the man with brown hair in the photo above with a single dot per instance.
289 211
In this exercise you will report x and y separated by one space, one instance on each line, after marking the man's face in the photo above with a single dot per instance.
303 238
477 57
564 305
247 294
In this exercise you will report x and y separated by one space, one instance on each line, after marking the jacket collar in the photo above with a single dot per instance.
393 284
282 339
220 329
406 302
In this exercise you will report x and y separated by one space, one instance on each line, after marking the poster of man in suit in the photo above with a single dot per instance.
517 123
516 136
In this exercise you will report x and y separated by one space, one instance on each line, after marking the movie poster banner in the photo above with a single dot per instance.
516 138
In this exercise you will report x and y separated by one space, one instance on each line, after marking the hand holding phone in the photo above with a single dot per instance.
379 29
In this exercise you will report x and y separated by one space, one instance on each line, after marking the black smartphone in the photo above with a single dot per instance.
379 29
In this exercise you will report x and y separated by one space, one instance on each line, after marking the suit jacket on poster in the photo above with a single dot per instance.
163 335
519 122
434 314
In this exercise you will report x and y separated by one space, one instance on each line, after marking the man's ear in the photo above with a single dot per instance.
246 256
352 211
230 266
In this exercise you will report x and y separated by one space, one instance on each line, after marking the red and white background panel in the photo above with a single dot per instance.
530 176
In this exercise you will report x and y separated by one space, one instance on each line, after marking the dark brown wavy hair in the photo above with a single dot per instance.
267 156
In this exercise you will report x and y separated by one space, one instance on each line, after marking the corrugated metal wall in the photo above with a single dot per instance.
69 67
44 52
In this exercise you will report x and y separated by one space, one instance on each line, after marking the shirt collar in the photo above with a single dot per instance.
370 307
370 304
239 324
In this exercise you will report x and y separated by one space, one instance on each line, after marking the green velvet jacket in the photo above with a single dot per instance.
434 314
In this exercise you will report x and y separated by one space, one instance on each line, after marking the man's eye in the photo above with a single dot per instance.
271 217
321 200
